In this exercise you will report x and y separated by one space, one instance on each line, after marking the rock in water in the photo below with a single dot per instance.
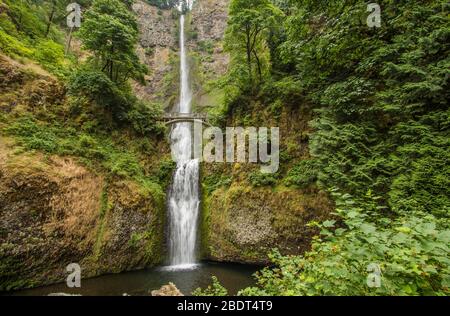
63 294
168 290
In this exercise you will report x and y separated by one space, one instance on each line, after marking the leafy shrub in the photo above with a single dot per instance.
206 46
215 181
165 171
51 56
93 85
143 118
303 174
216 289
10 45
259 179
411 252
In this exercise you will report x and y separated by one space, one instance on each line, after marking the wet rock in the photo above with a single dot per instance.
167 290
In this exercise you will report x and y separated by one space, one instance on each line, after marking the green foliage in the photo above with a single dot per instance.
303 174
382 116
216 289
93 85
28 18
11 46
95 150
110 31
214 181
165 171
410 250
143 118
206 46
97 88
380 128
25 32
246 38
259 179
380 95
51 56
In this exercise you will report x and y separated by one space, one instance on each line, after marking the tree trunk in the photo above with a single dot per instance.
69 41
50 19
249 56
258 64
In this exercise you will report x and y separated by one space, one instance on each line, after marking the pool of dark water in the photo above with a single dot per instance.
232 276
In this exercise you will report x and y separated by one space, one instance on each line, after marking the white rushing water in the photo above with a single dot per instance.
184 200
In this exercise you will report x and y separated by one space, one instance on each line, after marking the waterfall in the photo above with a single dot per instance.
184 201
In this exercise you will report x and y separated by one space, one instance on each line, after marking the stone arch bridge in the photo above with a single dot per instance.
174 118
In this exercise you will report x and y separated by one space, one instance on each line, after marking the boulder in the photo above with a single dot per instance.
167 290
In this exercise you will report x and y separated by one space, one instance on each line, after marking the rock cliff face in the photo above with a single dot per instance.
209 62
244 224
158 43
54 212
159 47
243 218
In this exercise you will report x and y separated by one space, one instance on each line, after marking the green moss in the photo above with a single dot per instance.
215 181
11 278
205 224
105 207
154 238
258 179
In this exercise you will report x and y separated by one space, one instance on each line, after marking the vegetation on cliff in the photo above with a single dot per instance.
379 138
78 105
364 121
77 113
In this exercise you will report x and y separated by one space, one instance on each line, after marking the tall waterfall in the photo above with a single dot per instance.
184 199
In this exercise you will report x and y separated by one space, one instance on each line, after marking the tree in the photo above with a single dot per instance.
247 33
110 31
55 11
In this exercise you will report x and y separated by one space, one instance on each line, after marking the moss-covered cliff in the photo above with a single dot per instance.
54 212
72 191
246 214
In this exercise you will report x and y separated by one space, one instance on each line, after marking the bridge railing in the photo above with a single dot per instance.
193 116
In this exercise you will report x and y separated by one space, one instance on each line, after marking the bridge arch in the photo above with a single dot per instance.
187 120
174 118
